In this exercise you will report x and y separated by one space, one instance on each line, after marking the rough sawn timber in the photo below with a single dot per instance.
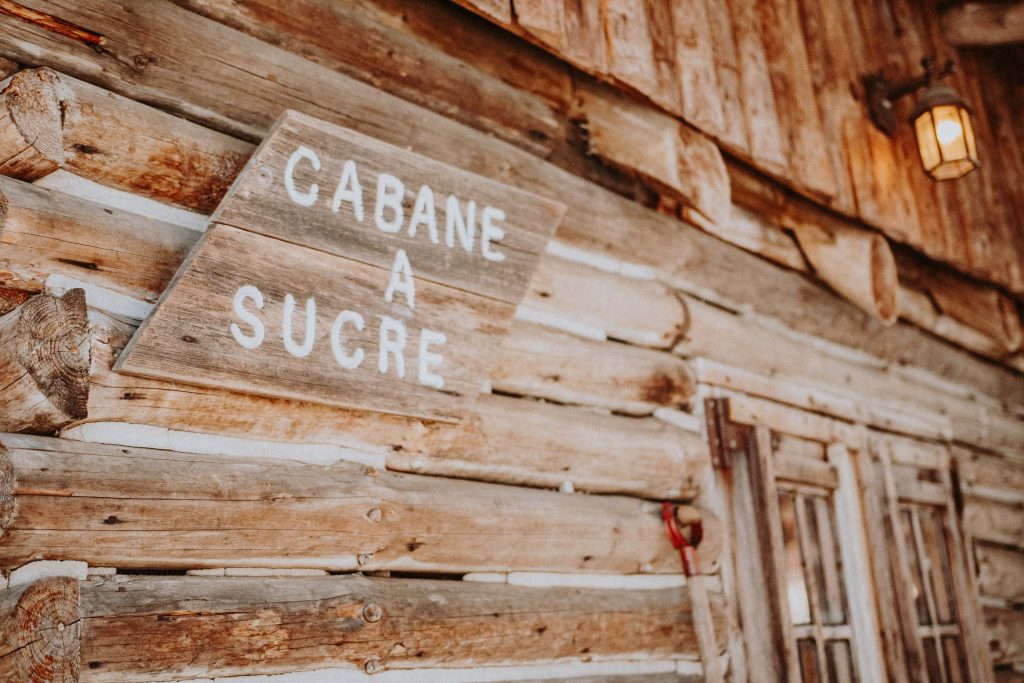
145 508
179 628
44 363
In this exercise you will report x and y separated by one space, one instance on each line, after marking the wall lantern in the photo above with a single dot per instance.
940 118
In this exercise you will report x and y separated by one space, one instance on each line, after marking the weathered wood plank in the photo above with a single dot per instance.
1006 634
984 23
809 165
174 628
143 508
769 148
701 100
723 44
994 521
644 140
189 338
596 220
44 363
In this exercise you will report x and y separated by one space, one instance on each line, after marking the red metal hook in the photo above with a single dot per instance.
686 547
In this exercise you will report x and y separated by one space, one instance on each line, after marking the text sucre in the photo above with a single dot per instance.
456 230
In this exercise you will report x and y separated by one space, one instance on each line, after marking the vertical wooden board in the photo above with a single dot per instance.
809 165
701 100
723 44
545 20
768 147
827 42
584 28
332 199
192 337
629 43
660 24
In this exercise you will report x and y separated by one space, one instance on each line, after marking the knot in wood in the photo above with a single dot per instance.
372 612
373 665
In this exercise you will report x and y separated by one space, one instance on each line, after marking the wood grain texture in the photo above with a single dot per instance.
80 127
43 233
259 202
535 361
44 363
498 444
595 220
143 508
174 628
1000 573
188 338
40 629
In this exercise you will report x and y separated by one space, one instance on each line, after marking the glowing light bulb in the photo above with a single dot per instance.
948 131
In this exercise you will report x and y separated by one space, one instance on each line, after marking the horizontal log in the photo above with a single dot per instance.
179 628
46 233
641 312
245 103
535 361
988 472
537 444
984 23
1000 573
66 123
643 140
44 363
918 307
144 508
500 442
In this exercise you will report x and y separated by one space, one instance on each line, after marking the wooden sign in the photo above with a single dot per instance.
343 270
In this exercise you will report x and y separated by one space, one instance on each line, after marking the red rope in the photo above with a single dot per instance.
686 548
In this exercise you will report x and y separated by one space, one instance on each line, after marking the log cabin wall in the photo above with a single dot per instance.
735 231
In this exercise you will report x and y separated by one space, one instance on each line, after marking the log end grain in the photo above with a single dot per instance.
45 355
34 102
40 632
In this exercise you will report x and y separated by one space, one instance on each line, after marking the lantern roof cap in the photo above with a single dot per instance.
936 95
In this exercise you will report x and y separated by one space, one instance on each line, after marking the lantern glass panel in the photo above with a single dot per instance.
945 139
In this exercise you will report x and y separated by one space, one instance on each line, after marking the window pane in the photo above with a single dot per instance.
808 660
933 531
840 664
931 661
832 592
796 586
956 667
812 554
920 600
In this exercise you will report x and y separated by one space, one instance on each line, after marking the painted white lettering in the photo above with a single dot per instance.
390 192
489 232
392 341
248 341
297 350
308 197
428 359
349 190
454 223
401 280
423 213
346 360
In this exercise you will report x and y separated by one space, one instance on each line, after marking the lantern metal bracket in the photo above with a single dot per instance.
881 93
